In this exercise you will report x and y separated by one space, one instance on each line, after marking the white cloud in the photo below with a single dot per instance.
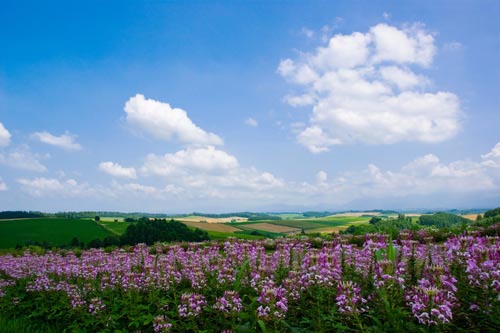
492 158
206 172
343 51
201 159
42 187
22 158
403 78
316 140
164 122
494 153
3 186
300 100
321 177
65 141
251 122
426 179
424 176
412 45
116 170
362 89
4 136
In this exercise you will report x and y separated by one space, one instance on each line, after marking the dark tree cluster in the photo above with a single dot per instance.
19 215
150 231
492 213
442 220
159 230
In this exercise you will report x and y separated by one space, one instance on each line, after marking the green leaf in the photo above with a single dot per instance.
262 325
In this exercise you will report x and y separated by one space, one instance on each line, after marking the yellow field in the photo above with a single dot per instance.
211 226
272 228
327 230
470 216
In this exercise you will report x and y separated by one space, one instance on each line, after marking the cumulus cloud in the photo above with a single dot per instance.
116 170
251 122
205 159
185 178
65 141
424 176
162 121
41 187
492 158
363 87
4 136
209 173
23 159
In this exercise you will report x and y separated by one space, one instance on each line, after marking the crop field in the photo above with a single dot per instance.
311 224
60 231
53 230
212 226
271 227
300 224
206 219
289 216
117 228
111 219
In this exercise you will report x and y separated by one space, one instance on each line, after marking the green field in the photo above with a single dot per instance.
117 228
289 216
111 219
53 230
60 231
317 223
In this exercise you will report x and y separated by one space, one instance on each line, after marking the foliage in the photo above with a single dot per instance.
390 226
409 284
316 214
159 230
492 213
5 215
442 220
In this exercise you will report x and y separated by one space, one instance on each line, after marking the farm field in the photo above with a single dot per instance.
265 226
53 230
111 219
212 226
206 219
117 228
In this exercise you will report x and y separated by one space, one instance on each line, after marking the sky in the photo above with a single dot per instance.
224 106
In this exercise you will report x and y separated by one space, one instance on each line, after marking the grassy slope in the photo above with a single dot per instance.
53 230
117 228
321 223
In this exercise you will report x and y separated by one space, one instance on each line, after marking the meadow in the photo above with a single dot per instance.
56 231
410 284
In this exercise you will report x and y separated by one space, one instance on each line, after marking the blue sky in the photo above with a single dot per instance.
268 106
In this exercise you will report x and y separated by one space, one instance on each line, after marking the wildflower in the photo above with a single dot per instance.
161 325
191 305
349 298
96 305
229 302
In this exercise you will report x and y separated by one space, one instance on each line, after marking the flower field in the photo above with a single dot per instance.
283 285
